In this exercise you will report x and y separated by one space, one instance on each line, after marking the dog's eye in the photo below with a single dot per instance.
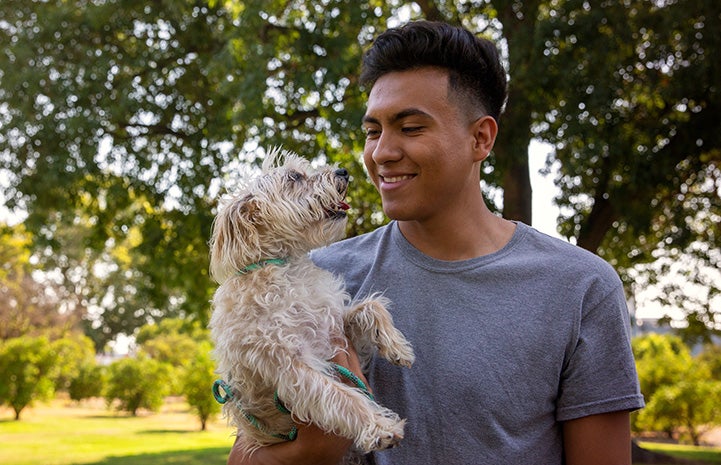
295 176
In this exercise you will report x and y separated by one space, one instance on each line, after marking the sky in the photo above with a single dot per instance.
545 212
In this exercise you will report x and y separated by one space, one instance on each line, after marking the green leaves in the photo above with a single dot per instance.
682 395
631 130
26 370
135 383
121 122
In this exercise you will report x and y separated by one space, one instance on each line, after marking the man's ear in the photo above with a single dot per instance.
484 130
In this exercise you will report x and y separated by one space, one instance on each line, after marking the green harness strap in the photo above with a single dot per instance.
261 264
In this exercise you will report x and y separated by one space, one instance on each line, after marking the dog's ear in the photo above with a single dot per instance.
235 238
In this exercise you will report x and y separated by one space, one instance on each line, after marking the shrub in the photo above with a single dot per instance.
197 383
137 383
26 372
88 382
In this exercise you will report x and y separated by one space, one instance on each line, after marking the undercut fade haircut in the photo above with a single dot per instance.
475 72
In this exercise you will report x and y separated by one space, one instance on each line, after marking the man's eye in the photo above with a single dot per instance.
372 133
410 129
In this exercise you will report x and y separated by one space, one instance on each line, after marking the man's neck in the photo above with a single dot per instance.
462 238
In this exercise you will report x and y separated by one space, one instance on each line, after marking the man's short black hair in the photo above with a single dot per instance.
473 64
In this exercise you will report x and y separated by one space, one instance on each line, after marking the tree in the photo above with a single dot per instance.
137 383
26 372
103 66
174 342
27 306
711 357
632 132
681 393
173 326
639 161
129 117
89 381
71 353
690 284
197 381
691 406
661 360
175 351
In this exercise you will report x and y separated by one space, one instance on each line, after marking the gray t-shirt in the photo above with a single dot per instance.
508 345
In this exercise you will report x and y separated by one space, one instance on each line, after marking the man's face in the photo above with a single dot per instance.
419 147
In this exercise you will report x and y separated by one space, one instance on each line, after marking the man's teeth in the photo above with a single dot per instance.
396 178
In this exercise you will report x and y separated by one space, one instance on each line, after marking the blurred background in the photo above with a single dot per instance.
122 124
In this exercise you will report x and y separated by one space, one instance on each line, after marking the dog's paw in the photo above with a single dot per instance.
399 353
384 433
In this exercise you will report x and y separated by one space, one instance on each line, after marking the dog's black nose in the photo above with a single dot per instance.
342 172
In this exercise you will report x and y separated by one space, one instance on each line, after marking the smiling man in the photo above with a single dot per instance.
424 152
522 340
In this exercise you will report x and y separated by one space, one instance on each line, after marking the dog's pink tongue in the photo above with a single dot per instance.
343 205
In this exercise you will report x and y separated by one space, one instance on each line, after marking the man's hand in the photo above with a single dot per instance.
312 446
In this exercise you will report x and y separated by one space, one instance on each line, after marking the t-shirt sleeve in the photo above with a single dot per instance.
599 374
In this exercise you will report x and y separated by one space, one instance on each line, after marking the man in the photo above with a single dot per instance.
522 343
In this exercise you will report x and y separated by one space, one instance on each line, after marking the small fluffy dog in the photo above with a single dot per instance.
278 319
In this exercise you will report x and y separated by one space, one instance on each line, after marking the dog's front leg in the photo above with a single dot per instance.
315 396
369 323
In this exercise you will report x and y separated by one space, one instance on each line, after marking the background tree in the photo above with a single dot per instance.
137 383
691 407
173 342
26 372
129 118
27 306
173 326
89 381
637 156
680 390
70 353
661 360
197 380
120 129
711 357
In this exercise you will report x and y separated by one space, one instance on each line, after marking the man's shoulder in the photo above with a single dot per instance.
565 256
353 251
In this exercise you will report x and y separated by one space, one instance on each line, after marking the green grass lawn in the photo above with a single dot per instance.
709 455
62 434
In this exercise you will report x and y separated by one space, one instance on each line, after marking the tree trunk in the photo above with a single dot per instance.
517 194
511 153
597 225
514 135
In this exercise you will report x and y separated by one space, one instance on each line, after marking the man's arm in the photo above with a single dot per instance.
603 439
312 446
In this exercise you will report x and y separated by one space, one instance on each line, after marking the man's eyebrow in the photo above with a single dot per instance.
398 116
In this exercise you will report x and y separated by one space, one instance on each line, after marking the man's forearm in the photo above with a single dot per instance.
312 447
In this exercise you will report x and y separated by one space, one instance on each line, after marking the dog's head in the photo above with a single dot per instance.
289 210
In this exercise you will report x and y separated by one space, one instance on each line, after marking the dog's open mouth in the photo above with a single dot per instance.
337 211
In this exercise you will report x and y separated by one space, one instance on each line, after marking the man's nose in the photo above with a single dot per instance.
386 149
